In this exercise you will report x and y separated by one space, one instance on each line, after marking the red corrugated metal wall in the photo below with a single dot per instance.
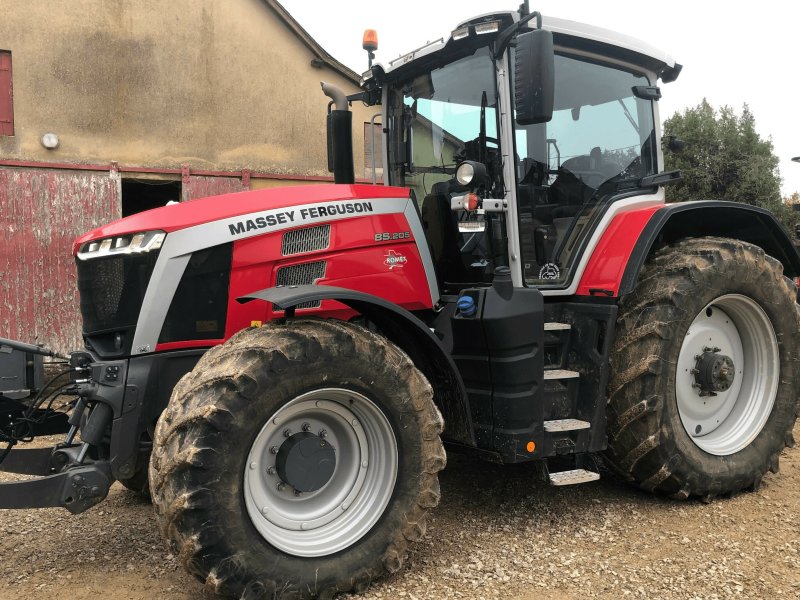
41 212
202 187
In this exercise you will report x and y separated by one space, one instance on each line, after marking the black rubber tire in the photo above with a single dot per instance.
203 438
139 483
647 442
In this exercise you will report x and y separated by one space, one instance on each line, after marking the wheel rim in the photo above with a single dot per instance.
736 328
345 508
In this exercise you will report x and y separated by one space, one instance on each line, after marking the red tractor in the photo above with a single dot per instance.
289 362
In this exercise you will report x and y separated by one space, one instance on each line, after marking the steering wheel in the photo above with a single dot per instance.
471 149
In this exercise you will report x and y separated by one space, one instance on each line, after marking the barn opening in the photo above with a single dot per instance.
143 194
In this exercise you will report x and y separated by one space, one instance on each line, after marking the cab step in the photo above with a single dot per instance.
560 374
573 477
557 326
566 425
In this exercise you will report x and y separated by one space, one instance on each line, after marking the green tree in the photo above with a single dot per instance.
724 159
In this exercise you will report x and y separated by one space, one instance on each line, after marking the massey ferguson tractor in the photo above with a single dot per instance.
279 369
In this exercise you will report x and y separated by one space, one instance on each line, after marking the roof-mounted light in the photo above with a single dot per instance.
135 243
370 40
460 33
487 27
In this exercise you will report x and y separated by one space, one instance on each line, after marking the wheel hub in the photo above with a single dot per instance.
320 472
713 372
727 374
306 462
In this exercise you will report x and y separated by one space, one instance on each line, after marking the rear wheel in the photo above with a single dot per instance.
702 393
298 459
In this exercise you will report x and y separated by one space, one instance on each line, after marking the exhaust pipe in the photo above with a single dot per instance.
340 135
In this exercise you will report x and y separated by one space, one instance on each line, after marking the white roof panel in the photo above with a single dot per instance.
557 26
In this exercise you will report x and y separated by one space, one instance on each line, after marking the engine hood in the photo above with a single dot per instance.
205 210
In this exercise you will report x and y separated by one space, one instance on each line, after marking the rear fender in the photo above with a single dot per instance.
406 331
632 237
711 218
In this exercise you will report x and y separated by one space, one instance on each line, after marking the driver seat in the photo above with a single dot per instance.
441 232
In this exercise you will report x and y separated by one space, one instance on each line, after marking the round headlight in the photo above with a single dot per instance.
465 173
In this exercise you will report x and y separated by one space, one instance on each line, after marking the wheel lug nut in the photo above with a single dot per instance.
297 492
274 450
323 433
287 432
306 427
271 471
281 486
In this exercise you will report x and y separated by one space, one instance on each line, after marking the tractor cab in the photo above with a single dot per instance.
534 185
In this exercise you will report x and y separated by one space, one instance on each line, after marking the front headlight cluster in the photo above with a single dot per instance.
133 243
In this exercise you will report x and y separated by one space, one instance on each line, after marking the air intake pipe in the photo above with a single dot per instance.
340 135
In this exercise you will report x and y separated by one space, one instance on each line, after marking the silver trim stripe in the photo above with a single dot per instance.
179 246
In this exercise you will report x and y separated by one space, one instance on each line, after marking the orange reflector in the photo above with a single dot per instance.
797 282
370 41
471 201
531 446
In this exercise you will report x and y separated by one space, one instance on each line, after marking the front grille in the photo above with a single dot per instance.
111 293
302 274
308 239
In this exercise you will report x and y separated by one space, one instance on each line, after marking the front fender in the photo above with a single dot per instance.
405 330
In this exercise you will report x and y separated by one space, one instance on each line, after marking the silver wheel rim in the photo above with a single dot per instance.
729 421
341 512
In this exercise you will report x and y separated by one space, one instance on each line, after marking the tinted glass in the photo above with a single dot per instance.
599 143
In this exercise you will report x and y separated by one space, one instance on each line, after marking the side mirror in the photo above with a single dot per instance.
675 145
534 77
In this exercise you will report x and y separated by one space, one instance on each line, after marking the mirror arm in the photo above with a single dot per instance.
505 36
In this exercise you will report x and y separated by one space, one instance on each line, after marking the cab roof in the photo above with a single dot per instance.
569 35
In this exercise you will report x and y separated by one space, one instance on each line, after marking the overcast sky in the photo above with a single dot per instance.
732 52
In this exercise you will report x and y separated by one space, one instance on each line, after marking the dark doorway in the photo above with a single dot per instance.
143 194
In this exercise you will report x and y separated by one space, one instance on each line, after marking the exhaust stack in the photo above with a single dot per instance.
340 135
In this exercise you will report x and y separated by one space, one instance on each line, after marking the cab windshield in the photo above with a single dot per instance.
599 143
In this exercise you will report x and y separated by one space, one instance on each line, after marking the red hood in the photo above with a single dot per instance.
204 210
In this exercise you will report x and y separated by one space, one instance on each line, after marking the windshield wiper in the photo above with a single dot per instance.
663 178
483 152
628 114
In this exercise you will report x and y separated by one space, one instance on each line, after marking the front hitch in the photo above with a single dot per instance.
70 475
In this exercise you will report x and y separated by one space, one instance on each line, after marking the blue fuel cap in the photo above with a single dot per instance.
466 306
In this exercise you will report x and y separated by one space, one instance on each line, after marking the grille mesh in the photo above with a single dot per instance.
306 240
303 274
112 288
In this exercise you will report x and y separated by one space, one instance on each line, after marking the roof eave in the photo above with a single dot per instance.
311 43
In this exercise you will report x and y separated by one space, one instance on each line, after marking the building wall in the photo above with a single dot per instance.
220 84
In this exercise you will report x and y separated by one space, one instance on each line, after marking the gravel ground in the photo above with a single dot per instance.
497 534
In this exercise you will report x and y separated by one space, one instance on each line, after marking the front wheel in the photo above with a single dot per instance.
298 459
702 395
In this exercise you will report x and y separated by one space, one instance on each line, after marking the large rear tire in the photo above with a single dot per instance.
298 459
702 395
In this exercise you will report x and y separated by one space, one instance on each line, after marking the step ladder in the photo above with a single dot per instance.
573 476
556 338
561 331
